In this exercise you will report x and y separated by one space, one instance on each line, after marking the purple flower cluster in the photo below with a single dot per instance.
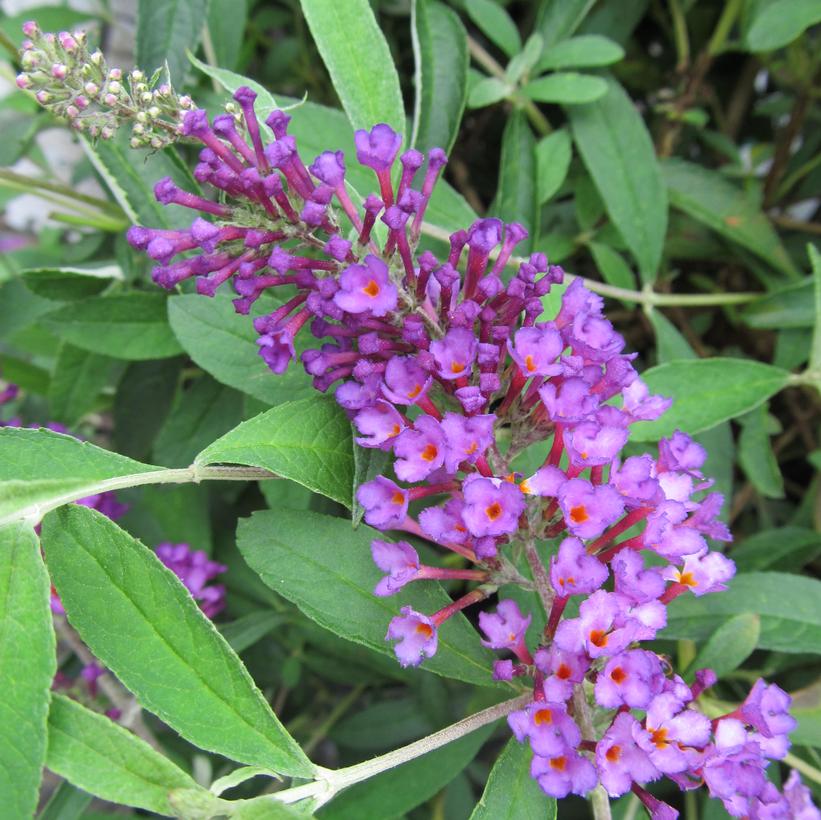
433 365
196 570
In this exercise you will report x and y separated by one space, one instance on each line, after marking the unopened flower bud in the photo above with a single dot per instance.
115 74
42 97
92 89
137 76
59 71
72 112
106 132
23 81
138 128
67 41
186 101
81 102
147 97
142 117
154 112
110 99
30 28
164 90
114 87
29 59
156 142
135 143
97 57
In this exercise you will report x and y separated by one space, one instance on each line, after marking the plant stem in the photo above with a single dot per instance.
330 782
680 35
540 122
338 712
642 297
193 474
543 586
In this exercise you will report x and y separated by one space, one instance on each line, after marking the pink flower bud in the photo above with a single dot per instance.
30 28
42 97
67 41
23 81
59 71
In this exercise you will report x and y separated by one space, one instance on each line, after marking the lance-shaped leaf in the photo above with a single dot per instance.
101 757
729 646
618 152
307 441
511 793
27 666
40 470
325 567
141 622
441 52
165 30
358 60
706 392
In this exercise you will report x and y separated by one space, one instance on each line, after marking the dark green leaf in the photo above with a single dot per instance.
441 52
202 414
325 567
393 793
142 402
516 193
226 24
619 155
567 88
790 306
787 605
223 343
76 382
40 469
778 24
711 199
132 326
68 284
729 646
787 548
165 30
584 51
614 270
19 307
553 155
358 60
307 441
369 462
95 753
496 24
142 623
756 456
246 631
27 666
383 725
67 802
706 392
806 709
670 343
558 19
511 793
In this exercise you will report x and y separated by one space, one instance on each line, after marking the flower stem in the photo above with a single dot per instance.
599 801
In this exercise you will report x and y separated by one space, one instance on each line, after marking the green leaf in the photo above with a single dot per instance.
815 350
787 548
202 413
165 30
142 403
95 753
584 51
67 802
729 646
516 193
670 344
19 307
68 284
223 343
247 630
614 270
567 88
440 49
488 91
266 808
383 725
511 793
27 666
325 567
132 326
496 24
358 60
706 392
711 199
76 382
756 456
553 155
524 61
308 441
786 604
130 176
806 709
395 792
226 24
558 19
778 24
40 469
790 306
141 622
618 152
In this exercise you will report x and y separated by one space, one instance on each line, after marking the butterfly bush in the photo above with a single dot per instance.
454 366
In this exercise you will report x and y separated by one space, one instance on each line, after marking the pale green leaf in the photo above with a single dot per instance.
496 24
584 51
567 88
729 646
778 24
165 30
553 155
558 19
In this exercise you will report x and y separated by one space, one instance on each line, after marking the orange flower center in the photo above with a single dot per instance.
457 367
578 515
530 364
558 763
542 717
415 392
424 629
493 511
371 289
613 753
395 430
525 487
688 579
398 498
618 675
429 453
659 737
598 637
474 446
564 671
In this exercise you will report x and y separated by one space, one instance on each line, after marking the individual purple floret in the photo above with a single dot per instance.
196 570
416 637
